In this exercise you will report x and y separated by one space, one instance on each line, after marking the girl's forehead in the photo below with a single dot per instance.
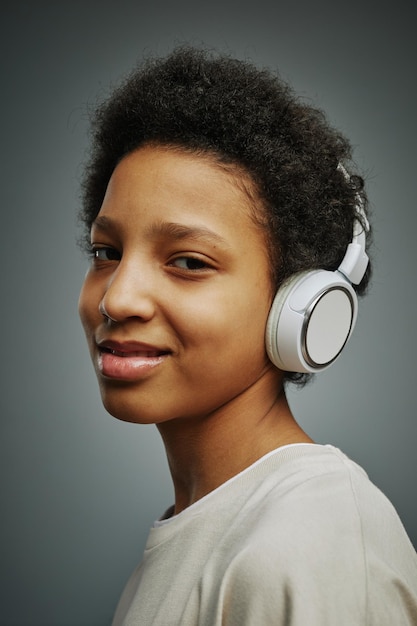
176 185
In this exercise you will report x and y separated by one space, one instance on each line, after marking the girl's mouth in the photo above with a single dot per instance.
128 360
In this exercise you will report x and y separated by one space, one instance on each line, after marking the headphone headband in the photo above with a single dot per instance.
355 261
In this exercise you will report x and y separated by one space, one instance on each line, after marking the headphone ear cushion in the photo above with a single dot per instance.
310 321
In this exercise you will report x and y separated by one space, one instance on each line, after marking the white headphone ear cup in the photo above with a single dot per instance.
271 332
310 321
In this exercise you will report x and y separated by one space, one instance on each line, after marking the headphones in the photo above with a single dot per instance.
314 313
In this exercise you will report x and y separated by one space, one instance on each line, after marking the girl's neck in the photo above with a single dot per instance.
204 452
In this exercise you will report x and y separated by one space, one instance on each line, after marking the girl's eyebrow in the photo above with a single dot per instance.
171 230
103 223
178 232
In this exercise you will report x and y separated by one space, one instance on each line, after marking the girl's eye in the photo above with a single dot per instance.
189 263
105 254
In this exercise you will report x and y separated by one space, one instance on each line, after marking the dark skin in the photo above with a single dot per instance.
174 308
203 456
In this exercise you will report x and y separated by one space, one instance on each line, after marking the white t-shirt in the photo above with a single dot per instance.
300 538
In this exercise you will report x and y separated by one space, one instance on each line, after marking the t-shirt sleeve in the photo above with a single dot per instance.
326 558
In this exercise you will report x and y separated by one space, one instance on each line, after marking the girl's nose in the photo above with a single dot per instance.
129 293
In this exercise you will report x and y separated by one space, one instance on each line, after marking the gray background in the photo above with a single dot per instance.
79 489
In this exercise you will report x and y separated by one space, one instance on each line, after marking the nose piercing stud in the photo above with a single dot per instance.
104 313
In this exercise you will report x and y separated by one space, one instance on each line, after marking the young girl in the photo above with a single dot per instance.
228 246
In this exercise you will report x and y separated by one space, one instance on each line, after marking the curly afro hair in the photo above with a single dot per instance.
251 120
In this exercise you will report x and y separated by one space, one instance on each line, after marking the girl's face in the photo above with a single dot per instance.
182 272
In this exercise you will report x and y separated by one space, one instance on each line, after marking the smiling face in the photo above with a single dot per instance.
175 302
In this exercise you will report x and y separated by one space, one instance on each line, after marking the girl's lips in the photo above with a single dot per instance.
128 361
